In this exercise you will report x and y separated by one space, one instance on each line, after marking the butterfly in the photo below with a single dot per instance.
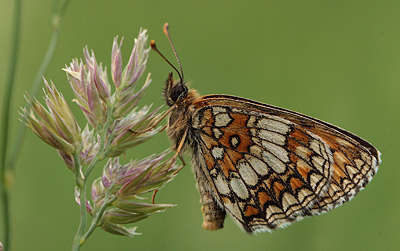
263 165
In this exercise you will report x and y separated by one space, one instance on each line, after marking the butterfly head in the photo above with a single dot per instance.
174 90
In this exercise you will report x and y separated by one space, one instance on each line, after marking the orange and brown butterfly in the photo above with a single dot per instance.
263 165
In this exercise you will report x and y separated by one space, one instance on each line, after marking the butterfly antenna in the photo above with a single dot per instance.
153 46
166 32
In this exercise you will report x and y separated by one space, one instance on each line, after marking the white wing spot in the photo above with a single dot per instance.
218 152
256 149
273 125
218 109
259 166
315 180
247 173
320 148
234 141
217 133
303 152
233 209
239 188
273 162
319 163
222 120
221 184
352 171
278 151
272 136
288 201
250 121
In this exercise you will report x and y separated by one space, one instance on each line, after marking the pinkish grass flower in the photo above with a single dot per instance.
126 80
54 124
119 189
91 88
114 125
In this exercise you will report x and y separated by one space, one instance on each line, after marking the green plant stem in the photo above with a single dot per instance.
82 224
82 184
5 178
96 220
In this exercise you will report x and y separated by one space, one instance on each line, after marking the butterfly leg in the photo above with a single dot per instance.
153 197
178 151
155 123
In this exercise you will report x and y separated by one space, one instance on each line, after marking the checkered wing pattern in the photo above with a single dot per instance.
267 166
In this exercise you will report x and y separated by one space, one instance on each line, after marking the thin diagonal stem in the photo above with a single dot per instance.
38 79
35 87
7 162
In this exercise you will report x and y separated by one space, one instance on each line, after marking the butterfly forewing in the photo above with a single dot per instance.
267 166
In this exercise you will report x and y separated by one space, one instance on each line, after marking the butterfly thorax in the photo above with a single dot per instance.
181 101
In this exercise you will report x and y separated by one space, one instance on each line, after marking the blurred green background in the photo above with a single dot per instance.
335 60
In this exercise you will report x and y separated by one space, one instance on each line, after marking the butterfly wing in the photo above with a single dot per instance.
355 163
267 166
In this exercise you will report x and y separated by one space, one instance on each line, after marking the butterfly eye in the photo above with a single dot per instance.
177 91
